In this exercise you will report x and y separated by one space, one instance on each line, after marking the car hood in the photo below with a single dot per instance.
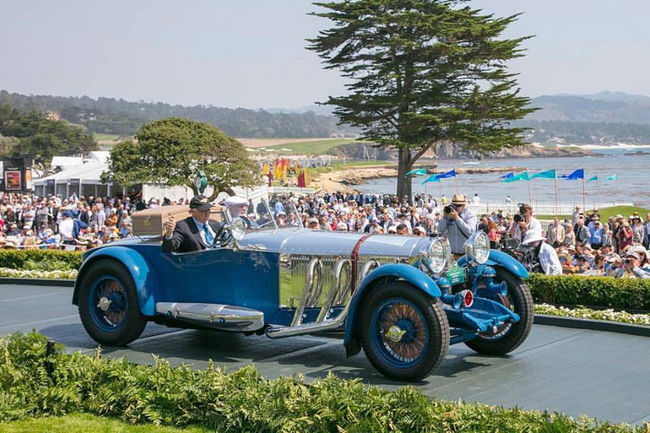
313 242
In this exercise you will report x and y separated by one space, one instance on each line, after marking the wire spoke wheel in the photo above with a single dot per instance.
108 304
404 331
399 328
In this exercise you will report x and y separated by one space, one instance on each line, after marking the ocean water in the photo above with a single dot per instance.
633 185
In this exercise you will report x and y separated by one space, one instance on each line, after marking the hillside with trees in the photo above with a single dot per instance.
34 134
117 116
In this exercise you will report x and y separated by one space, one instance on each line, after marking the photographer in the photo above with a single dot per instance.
542 253
457 223
524 222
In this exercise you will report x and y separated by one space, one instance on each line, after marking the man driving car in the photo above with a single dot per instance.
194 233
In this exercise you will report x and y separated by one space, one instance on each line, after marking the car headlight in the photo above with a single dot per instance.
238 229
437 255
477 247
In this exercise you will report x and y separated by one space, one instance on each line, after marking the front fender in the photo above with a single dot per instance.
419 279
146 282
499 258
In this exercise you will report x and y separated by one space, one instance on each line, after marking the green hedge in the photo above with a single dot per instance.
608 292
240 401
40 260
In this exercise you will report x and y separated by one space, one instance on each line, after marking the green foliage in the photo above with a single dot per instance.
606 292
40 260
84 423
422 72
239 401
124 118
172 151
42 137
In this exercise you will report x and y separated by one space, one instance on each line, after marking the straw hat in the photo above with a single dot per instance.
458 199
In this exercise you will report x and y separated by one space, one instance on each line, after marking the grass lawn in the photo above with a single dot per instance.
106 136
318 147
82 423
607 212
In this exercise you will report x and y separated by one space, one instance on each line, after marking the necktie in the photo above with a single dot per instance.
209 239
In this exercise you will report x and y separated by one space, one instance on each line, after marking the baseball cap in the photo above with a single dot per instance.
200 202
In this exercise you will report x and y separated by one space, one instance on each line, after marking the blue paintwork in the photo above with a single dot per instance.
499 258
482 315
221 276
146 281
409 273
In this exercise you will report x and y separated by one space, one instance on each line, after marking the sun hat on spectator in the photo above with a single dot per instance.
458 199
392 229
612 257
635 254
619 216
313 220
342 227
638 249
419 230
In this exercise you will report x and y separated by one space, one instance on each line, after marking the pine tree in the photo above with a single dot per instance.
422 72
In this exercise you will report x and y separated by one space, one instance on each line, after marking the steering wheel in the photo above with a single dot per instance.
223 237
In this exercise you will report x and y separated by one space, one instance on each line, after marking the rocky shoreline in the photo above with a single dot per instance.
345 180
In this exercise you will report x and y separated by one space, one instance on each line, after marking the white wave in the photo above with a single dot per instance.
617 146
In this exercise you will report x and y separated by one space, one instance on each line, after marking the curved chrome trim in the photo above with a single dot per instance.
336 293
308 297
218 316
306 328
369 266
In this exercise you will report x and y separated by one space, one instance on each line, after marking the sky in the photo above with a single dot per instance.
251 53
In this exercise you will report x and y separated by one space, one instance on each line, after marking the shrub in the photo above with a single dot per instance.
608 292
40 260
240 401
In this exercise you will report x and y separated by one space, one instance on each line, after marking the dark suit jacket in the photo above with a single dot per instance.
186 237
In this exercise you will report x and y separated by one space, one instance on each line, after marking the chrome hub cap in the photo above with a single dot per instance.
104 304
394 334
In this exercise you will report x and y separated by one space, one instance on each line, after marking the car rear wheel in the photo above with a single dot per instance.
108 304
509 336
404 332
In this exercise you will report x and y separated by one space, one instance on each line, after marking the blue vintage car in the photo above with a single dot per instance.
402 299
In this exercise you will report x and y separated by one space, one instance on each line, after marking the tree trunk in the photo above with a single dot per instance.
403 166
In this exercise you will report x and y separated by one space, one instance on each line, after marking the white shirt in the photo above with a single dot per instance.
200 225
549 260
533 225
66 227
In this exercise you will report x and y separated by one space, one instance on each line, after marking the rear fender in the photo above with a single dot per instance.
146 282
501 259
416 277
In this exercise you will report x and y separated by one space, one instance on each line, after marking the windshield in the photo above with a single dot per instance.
258 215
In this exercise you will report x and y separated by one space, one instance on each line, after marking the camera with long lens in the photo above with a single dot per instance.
518 218
449 208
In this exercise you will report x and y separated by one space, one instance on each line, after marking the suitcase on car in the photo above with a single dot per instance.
149 222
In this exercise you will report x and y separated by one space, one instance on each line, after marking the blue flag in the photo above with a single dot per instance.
548 174
432 178
417 172
507 176
578 174
521 176
448 174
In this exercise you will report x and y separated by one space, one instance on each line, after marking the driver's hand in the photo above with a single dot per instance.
453 214
170 225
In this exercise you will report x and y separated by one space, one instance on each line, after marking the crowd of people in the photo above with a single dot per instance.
582 245
73 223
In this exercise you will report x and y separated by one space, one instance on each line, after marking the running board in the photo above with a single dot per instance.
217 316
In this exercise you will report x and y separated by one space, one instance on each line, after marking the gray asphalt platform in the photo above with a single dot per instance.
574 371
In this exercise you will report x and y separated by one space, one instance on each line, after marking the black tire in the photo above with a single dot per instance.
109 276
509 337
430 329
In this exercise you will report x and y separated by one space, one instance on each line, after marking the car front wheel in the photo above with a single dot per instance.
108 304
404 332
510 335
